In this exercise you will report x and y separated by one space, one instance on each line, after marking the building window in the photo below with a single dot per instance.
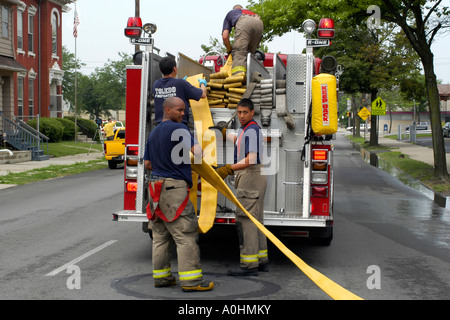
5 22
30 32
20 96
19 29
54 34
31 97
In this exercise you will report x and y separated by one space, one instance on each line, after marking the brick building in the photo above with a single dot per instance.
31 58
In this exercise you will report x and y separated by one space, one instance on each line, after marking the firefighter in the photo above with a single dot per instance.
169 86
250 187
172 214
109 129
248 34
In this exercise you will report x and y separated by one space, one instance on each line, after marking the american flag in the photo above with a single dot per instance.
76 22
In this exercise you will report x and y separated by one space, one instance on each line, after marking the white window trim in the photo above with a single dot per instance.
31 12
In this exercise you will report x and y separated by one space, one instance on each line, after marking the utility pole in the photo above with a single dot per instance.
137 13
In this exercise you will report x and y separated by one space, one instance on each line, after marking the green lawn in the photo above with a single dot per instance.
418 170
52 172
59 149
69 148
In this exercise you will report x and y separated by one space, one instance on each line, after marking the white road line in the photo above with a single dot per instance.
84 256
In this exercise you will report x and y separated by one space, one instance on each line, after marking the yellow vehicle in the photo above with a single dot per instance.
115 149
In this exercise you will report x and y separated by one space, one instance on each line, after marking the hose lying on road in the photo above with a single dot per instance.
331 288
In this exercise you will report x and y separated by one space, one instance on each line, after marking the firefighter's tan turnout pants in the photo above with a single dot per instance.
183 231
248 34
250 188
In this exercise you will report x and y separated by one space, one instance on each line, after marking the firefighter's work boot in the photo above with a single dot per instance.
263 267
165 282
205 286
243 272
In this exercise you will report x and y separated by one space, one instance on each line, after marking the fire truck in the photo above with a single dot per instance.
299 157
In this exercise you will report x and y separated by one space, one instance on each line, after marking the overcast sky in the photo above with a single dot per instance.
183 26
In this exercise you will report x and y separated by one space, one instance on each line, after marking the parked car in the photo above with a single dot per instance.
361 128
446 130
114 150
420 126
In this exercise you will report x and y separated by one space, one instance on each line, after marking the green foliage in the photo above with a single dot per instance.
87 127
102 90
69 128
50 127
71 69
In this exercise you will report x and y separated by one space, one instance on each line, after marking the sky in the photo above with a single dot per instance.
183 26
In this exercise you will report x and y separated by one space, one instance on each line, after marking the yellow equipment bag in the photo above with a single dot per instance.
324 116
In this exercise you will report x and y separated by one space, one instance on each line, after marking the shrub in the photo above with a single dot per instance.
88 127
69 128
50 127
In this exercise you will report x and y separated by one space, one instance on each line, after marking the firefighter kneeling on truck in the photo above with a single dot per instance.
170 211
248 29
250 185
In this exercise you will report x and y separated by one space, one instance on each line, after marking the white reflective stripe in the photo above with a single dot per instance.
188 275
249 258
262 254
161 273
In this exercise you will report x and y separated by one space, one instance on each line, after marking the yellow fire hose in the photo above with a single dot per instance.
211 183
207 140
331 288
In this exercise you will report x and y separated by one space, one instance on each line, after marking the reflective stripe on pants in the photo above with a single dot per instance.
246 259
190 275
158 274
262 254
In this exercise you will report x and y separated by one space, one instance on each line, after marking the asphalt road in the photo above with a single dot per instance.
427 142
390 242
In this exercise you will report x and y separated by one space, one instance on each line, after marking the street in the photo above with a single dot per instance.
58 241
427 142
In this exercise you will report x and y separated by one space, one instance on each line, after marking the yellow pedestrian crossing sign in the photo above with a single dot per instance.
378 107
364 113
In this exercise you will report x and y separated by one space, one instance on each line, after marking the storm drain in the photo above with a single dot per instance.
225 287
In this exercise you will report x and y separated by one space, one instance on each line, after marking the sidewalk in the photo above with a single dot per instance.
414 151
60 161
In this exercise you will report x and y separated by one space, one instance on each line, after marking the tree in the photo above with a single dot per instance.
110 83
421 21
217 46
102 90
70 67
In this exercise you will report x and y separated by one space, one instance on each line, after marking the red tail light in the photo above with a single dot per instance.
320 155
326 28
225 220
132 186
134 28
132 151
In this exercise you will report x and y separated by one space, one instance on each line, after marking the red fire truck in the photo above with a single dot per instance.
299 196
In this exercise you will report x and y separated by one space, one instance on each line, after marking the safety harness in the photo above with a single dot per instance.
248 12
155 188
242 133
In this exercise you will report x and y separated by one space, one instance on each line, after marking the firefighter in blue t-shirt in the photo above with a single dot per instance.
248 34
169 86
172 214
250 185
